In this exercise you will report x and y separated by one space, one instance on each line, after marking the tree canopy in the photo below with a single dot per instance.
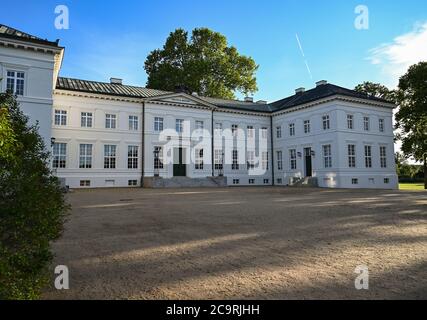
203 63
376 90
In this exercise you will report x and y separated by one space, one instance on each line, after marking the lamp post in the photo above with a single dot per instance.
156 162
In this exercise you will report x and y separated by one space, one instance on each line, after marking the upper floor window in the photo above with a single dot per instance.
350 121
292 129
278 132
59 153
326 122
15 82
368 156
381 125
234 128
86 119
351 149
110 121
293 159
366 123
383 157
133 123
110 156
85 156
179 125
199 125
250 131
60 117
158 124
327 156
132 157
264 133
306 126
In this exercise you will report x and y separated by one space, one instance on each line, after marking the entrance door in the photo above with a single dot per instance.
307 156
179 163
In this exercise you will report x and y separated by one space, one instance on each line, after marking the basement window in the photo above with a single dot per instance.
386 180
354 181
251 181
132 182
236 181
84 183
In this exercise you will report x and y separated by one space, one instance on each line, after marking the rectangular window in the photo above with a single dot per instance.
198 163
109 156
158 161
60 117
386 180
218 128
234 128
85 157
381 125
251 159
279 181
110 121
84 183
179 125
292 129
383 157
326 122
59 154
350 122
132 183
132 157
354 181
264 160
368 156
306 126
251 131
199 125
351 151
15 82
218 159
366 123
264 133
158 124
251 181
236 181
235 160
279 132
293 159
133 123
327 156
279 160
266 181
86 119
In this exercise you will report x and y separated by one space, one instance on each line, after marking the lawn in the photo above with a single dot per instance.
411 186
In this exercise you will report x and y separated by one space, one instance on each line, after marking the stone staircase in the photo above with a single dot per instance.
310 182
185 182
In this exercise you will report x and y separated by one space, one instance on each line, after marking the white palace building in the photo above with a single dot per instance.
112 134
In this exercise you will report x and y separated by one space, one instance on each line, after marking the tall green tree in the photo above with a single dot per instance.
411 118
203 63
376 90
32 205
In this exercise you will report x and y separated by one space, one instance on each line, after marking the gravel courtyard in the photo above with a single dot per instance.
233 243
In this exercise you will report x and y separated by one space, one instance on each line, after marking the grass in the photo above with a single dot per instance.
411 186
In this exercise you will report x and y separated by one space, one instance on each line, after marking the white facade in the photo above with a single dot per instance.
106 139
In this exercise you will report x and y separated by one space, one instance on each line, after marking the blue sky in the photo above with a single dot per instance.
112 38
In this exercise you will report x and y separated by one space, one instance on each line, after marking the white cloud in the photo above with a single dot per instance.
405 50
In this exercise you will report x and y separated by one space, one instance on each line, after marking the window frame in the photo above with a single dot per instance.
133 154
110 119
85 157
110 156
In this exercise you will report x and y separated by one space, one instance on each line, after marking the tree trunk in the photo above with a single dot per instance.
425 172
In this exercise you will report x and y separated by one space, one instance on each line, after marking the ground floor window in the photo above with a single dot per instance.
59 155
85 159
264 160
279 160
198 162
132 157
235 160
250 159
383 157
110 156
327 156
132 182
351 155
293 159
84 183
218 159
158 159
368 156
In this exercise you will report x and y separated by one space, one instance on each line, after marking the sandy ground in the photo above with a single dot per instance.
233 243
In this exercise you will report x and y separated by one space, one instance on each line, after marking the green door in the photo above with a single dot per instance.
179 168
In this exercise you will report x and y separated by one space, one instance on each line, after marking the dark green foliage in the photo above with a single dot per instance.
32 206
204 64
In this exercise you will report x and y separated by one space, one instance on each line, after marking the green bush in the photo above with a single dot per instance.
32 205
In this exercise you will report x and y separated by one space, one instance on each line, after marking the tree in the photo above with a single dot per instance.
411 118
32 205
376 90
204 64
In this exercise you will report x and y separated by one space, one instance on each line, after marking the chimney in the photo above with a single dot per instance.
261 102
116 81
321 83
195 94
249 99
299 90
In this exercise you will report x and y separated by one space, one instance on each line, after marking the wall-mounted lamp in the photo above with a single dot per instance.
52 141
313 153
299 154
